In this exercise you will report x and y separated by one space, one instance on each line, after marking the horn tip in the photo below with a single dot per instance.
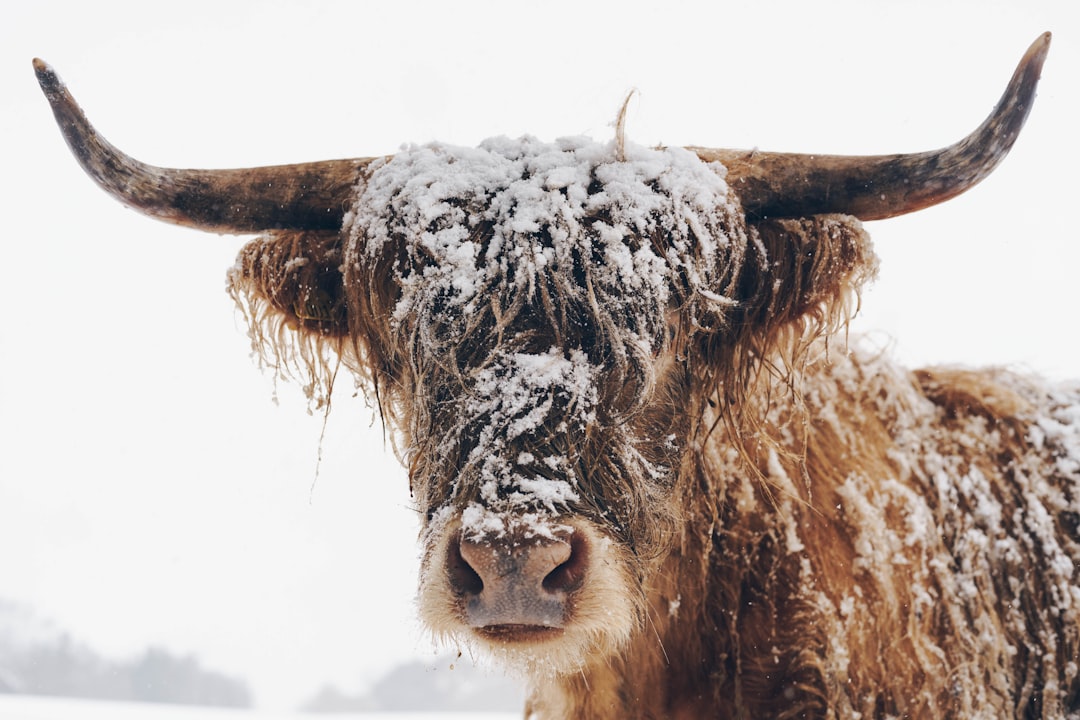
1021 88
1039 49
1036 54
47 78
43 69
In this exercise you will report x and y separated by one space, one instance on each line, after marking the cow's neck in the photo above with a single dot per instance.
715 604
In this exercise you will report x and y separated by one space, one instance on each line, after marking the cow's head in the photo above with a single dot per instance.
550 330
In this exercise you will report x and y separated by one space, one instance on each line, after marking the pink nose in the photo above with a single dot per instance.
514 585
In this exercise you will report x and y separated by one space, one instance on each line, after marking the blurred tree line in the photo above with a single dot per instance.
446 685
37 660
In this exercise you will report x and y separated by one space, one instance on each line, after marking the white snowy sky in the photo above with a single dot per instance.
151 491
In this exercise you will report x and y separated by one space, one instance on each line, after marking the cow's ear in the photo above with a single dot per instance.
289 286
804 274
293 279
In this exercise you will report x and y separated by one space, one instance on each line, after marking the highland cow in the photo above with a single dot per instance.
654 474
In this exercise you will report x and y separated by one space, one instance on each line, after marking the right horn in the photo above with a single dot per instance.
786 185
308 196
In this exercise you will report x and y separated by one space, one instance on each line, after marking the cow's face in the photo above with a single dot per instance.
551 330
527 306
544 326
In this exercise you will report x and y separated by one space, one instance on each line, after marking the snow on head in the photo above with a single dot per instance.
530 279
540 203
514 398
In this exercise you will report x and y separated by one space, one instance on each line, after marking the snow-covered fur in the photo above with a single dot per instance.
584 338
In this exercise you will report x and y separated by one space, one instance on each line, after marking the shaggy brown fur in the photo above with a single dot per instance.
794 528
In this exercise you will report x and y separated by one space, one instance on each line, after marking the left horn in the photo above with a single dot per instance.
783 185
307 196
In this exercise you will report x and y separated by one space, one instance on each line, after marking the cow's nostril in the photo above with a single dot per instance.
569 575
463 577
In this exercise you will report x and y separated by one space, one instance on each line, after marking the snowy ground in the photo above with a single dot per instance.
28 707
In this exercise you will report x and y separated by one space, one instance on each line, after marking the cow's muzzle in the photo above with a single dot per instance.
517 590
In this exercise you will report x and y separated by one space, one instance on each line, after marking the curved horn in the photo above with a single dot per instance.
306 196
882 186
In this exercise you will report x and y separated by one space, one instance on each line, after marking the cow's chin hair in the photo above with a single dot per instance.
605 612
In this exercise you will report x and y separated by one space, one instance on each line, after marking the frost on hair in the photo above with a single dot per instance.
289 289
547 272
459 267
